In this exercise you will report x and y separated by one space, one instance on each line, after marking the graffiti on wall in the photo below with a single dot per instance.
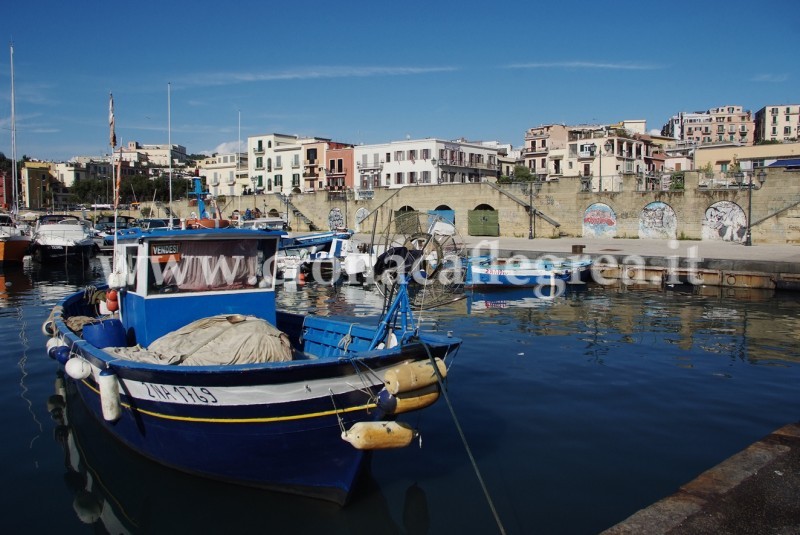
336 219
725 220
361 215
599 221
658 221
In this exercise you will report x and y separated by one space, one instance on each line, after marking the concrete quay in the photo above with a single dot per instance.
754 491
709 263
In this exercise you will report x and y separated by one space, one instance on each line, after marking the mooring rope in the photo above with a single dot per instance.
464 440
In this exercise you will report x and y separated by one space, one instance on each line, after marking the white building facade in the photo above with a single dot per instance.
422 161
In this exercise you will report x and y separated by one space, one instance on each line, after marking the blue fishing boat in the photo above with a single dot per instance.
185 358
491 271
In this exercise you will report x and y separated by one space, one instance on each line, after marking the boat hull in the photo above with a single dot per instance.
272 425
13 250
500 273
42 252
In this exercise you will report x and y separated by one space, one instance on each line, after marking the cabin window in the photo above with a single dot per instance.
181 266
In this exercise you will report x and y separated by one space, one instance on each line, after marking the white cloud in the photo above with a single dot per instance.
308 73
628 66
770 78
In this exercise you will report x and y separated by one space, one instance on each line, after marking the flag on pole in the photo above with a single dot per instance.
113 135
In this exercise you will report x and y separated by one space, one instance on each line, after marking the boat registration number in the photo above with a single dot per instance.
165 248
496 272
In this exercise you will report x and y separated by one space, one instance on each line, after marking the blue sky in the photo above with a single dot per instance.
375 71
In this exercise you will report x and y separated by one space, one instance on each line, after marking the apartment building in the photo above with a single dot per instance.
778 123
409 162
226 174
156 156
286 163
597 154
718 125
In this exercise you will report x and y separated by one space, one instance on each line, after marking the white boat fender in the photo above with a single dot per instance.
109 395
408 401
116 280
412 375
379 435
78 368
49 327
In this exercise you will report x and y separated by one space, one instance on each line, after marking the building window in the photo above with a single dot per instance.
412 177
295 180
279 180
259 163
398 178
426 154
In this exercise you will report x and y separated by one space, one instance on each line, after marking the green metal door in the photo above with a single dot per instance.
483 223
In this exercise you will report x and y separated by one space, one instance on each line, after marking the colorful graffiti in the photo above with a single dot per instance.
658 221
599 221
725 220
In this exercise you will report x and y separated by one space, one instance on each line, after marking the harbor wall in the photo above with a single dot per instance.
562 209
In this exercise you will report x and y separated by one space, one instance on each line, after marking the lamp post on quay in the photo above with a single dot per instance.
608 146
288 198
534 184
435 164
762 177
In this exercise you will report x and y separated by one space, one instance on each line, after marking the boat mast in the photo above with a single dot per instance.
15 208
169 146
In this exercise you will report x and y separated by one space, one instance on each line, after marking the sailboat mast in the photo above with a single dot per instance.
169 146
14 194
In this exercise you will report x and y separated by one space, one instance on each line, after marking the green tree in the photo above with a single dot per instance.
522 174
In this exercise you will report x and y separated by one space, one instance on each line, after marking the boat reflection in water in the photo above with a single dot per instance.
118 491
518 297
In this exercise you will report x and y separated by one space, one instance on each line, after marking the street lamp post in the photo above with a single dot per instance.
762 177
288 199
435 164
531 212
608 147
255 181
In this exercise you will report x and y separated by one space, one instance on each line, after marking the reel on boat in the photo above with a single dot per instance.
428 252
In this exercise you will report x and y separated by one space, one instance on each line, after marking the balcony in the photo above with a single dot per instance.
258 150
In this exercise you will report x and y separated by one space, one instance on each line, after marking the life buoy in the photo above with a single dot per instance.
207 223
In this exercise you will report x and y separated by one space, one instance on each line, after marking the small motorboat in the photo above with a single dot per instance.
62 238
491 271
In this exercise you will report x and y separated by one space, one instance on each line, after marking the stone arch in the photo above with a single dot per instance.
724 220
361 215
442 207
599 221
485 207
657 220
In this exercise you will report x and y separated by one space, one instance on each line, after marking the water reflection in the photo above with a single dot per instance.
122 492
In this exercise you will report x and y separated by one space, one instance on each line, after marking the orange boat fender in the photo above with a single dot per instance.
413 375
379 435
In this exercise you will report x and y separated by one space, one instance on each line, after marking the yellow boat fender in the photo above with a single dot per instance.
412 375
379 435
109 395
408 401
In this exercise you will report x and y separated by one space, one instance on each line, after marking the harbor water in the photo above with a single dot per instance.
562 415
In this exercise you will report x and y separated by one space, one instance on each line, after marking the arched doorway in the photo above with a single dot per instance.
484 220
